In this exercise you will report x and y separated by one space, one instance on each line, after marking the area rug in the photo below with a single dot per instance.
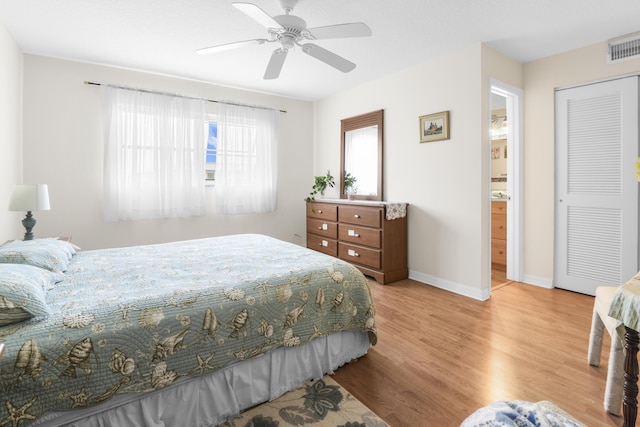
318 403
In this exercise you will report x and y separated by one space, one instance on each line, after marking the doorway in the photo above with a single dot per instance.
506 183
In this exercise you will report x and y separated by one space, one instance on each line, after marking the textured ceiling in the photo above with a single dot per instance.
161 36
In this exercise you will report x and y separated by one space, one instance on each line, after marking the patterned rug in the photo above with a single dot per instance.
318 403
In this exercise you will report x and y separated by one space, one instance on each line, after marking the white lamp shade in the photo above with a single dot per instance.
28 197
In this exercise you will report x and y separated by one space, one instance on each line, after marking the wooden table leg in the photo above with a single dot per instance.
630 405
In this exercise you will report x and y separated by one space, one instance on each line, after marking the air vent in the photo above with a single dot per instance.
623 48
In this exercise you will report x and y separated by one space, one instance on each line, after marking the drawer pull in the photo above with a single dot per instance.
319 211
356 216
351 252
352 233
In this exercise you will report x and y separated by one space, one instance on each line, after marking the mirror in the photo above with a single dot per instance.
361 140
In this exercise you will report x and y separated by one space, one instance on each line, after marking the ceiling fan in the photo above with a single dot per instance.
290 31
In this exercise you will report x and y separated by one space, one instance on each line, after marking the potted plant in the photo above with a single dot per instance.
349 185
320 184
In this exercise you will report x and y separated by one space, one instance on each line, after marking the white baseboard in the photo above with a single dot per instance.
471 292
538 281
458 288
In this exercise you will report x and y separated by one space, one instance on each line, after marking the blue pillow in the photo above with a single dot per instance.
50 254
56 244
22 292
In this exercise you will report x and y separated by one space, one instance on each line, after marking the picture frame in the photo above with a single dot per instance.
434 127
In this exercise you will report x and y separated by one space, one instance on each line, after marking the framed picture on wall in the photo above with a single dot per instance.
434 127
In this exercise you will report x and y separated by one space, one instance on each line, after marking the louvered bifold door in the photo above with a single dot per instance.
596 198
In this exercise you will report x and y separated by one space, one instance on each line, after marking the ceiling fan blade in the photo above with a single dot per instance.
229 46
258 14
275 64
355 29
327 57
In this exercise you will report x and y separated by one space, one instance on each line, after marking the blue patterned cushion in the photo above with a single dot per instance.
520 413
50 254
22 292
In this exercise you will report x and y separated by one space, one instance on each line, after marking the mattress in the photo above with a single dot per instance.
136 320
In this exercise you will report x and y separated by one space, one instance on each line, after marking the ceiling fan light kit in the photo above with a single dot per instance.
290 31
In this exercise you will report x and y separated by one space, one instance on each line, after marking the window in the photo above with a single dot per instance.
212 150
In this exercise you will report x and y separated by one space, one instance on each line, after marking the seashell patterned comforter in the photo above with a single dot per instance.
136 319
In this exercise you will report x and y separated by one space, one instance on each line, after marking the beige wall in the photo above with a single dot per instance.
10 131
446 183
541 78
63 147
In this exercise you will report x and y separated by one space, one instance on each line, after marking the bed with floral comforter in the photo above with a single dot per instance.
136 319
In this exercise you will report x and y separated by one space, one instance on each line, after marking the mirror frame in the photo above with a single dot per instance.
362 121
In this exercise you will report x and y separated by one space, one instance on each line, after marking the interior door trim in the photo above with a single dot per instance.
515 187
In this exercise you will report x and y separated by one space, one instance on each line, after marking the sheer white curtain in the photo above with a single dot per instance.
154 155
247 156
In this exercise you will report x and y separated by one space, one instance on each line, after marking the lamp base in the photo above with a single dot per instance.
29 222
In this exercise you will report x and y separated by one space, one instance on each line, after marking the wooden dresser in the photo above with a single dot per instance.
360 233
499 235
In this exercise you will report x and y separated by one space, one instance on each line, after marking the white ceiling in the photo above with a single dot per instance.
161 36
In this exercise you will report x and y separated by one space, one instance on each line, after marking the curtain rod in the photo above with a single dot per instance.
182 96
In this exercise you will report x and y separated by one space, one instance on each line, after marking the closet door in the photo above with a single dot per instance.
596 210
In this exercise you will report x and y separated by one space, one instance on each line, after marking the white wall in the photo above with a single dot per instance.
10 131
541 78
445 182
63 147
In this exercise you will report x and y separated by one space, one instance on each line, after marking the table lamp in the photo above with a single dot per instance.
27 197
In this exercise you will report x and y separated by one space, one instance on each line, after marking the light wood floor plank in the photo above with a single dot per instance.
440 356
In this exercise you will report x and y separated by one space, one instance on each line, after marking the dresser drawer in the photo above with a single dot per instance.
360 235
499 251
498 226
359 255
499 208
322 228
328 246
323 211
367 216
357 232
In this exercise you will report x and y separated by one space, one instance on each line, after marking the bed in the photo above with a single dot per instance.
186 333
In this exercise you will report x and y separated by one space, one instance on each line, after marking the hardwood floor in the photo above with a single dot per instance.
440 356
499 279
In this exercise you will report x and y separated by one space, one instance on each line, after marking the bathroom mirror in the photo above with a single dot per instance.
361 139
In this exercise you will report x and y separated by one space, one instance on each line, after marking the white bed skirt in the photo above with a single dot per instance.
210 399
